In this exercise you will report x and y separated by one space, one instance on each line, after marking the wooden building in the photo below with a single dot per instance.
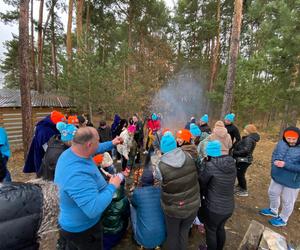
42 105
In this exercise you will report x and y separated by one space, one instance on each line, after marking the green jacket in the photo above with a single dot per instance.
115 217
180 187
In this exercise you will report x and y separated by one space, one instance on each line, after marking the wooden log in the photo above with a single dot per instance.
252 237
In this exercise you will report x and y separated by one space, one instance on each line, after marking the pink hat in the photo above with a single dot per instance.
131 129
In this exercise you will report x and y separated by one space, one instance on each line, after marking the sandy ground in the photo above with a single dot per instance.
246 209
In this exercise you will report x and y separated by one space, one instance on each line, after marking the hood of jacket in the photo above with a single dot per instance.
220 132
293 129
254 136
174 158
46 122
224 163
190 149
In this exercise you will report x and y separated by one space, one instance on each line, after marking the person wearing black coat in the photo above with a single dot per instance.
231 128
104 132
28 214
217 183
242 153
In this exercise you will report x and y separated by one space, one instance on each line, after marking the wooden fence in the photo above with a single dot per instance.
11 120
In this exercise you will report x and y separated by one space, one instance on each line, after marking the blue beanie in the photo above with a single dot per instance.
213 148
167 143
67 131
204 118
230 117
154 117
194 129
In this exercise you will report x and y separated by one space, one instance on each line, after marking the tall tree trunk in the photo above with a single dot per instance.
40 49
233 55
130 47
88 22
79 7
24 74
33 67
216 50
69 33
53 45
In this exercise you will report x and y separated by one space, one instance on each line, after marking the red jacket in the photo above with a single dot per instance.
154 126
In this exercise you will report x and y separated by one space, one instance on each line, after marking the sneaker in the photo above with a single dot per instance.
277 222
145 152
119 161
237 189
267 212
242 193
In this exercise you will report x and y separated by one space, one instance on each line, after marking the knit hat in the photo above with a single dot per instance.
165 130
213 148
250 129
219 124
131 129
98 159
67 131
291 134
230 117
204 118
184 135
56 117
194 129
147 177
154 117
167 143
72 119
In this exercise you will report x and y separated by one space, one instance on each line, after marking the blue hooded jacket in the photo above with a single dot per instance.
289 175
44 130
150 224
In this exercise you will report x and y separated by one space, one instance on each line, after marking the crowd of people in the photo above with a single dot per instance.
179 178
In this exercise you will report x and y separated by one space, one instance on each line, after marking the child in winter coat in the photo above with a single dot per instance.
242 153
285 173
148 224
115 218
129 143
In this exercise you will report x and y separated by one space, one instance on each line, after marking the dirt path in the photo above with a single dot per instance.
246 209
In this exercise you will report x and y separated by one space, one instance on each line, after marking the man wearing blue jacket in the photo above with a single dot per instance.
84 194
285 173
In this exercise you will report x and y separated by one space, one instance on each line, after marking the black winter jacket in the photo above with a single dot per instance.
246 146
104 134
234 133
20 215
55 148
217 182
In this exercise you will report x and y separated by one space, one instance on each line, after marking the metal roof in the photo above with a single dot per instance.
12 98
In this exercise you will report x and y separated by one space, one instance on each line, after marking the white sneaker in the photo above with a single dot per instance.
145 152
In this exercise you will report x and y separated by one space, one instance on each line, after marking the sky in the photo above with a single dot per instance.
6 31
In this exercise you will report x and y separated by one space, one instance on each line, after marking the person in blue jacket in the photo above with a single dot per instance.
147 217
285 182
4 154
44 130
84 194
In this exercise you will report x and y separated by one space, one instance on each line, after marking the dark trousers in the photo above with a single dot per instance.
178 231
123 163
91 239
241 174
215 232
